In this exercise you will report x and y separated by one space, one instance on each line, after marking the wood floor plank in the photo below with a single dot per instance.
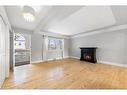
67 74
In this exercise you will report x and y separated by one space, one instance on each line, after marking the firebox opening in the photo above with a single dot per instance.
88 54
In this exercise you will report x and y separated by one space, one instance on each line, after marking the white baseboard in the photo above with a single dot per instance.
66 57
74 57
99 61
38 61
105 62
58 58
112 63
50 59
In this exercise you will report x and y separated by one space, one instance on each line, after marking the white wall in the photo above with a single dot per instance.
111 46
36 47
66 48
57 54
37 55
4 48
4 15
37 41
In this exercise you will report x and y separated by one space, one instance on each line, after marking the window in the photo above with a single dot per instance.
19 41
55 43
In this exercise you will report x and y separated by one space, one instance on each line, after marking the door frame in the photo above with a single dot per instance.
29 36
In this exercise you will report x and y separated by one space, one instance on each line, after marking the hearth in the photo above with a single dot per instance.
88 54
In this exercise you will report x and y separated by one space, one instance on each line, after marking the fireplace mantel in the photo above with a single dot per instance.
88 47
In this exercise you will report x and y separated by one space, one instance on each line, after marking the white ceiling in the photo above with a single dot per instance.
16 18
120 13
67 20
85 19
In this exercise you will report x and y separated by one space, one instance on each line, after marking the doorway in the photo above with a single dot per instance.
22 51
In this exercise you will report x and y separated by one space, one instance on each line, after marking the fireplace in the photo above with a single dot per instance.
88 54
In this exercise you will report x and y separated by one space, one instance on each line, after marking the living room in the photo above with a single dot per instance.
63 47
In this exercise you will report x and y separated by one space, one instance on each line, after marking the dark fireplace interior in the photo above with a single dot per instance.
88 54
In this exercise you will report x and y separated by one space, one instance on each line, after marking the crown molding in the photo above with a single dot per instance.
108 29
53 34
111 29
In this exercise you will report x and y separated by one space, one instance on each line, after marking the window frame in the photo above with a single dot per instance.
55 47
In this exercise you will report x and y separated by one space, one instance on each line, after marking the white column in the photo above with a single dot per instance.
45 47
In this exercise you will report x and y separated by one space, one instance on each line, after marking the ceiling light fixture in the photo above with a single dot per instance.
36 8
28 13
28 17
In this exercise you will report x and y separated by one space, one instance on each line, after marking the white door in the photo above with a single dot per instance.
2 52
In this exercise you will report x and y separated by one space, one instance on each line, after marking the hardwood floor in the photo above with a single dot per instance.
67 74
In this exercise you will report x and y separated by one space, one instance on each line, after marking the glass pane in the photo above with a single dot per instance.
54 44
19 37
19 41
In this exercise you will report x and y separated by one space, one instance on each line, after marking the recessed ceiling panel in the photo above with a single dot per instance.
86 19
